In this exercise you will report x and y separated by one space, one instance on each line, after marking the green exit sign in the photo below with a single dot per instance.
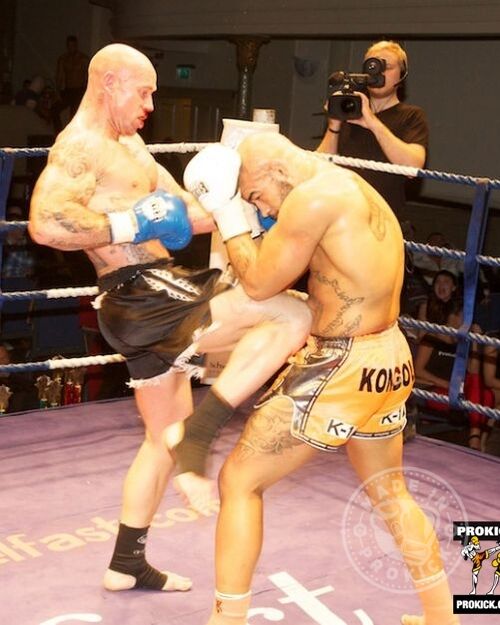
183 72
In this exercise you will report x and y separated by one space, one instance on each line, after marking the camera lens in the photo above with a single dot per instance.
373 65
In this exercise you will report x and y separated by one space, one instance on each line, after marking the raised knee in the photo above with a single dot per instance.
298 322
173 434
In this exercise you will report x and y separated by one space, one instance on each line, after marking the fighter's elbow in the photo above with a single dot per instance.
255 294
42 234
37 233
418 161
256 291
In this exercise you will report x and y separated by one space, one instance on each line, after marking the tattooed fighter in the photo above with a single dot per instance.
348 386
103 192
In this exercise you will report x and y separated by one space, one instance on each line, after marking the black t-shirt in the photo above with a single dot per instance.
408 123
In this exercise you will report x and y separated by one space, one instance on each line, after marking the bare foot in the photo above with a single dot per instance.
120 581
196 491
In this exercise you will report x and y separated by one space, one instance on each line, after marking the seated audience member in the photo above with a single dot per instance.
20 395
487 313
23 94
444 299
491 369
491 375
430 264
19 258
30 96
434 362
45 107
415 289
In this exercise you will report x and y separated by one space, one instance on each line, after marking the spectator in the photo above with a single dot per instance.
491 373
415 289
388 130
30 93
19 257
443 301
23 93
71 79
491 367
488 311
18 274
434 362
21 394
429 263
45 106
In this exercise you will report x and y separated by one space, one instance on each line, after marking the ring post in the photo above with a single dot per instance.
6 170
474 245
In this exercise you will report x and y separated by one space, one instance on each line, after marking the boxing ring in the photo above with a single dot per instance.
62 470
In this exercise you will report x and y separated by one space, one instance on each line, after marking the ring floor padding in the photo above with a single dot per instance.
61 473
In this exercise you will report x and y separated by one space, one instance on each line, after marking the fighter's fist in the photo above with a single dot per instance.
212 177
159 215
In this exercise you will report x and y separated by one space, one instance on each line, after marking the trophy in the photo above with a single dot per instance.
5 394
73 385
41 384
53 392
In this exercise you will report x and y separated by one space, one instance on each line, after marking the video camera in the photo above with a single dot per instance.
346 104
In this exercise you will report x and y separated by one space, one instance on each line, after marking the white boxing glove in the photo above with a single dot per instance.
212 177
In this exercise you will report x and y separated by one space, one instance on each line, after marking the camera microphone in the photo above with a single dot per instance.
403 74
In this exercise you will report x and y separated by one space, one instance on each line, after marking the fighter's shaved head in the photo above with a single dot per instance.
266 152
115 56
119 59
264 146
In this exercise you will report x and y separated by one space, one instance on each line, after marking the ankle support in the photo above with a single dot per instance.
129 558
201 429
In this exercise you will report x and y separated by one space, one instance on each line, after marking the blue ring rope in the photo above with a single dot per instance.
471 258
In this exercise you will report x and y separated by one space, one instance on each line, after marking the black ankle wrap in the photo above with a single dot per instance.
129 558
201 428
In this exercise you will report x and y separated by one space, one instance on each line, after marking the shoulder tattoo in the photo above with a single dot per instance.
73 158
377 219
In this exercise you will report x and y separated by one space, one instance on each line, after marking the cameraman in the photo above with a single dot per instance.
388 130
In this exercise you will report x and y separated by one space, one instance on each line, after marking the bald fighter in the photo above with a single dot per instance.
103 192
348 386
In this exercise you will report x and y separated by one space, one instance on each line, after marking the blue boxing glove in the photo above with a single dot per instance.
159 215
266 222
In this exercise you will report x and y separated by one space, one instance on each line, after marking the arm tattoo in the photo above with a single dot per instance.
241 256
138 254
99 264
74 223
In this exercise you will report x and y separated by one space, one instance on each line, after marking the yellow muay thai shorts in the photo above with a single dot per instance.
347 387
